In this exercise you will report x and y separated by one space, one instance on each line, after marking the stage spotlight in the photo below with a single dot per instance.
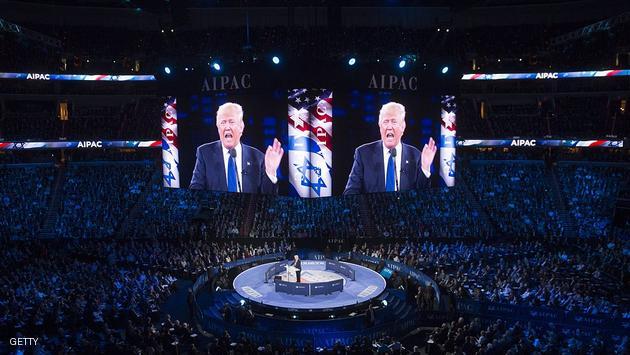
242 302
444 70
167 70
275 60
294 316
402 63
384 302
352 61
216 66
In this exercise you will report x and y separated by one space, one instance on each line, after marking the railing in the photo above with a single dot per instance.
403 269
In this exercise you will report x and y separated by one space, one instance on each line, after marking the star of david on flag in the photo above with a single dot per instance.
310 142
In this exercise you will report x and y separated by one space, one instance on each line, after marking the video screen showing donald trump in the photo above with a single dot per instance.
231 143
396 144
328 143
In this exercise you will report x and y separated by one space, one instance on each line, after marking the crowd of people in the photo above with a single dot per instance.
281 217
168 212
162 235
590 193
538 272
24 199
79 303
517 196
502 337
94 199
493 198
105 296
443 212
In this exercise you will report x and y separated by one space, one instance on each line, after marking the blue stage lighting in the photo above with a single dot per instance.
444 70
216 66
352 61
402 63
275 60
167 70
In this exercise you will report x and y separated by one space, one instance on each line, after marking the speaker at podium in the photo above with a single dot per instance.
291 273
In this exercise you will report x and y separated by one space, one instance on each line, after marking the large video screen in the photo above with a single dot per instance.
224 140
308 141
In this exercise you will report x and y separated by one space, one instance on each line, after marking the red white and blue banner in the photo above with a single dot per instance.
170 144
548 75
78 144
75 77
448 133
595 143
310 142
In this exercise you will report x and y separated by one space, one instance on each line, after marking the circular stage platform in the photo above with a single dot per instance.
250 284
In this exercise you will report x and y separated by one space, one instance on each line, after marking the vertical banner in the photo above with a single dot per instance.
448 133
170 145
310 142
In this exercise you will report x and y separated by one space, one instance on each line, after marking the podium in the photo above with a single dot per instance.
291 271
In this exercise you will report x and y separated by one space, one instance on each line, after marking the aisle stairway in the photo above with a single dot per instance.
366 216
570 228
470 196
136 211
54 205
248 218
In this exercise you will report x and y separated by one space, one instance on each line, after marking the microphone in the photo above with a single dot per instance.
393 153
238 179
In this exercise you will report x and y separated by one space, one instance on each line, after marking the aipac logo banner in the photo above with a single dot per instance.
310 142
170 144
448 132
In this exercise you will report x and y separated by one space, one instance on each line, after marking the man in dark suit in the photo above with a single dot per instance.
297 263
228 165
388 164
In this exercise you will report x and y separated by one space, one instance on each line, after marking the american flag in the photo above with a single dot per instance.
448 130
310 141
170 148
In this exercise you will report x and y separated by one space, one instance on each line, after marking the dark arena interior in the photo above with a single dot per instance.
306 177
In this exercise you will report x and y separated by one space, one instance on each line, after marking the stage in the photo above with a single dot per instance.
250 284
